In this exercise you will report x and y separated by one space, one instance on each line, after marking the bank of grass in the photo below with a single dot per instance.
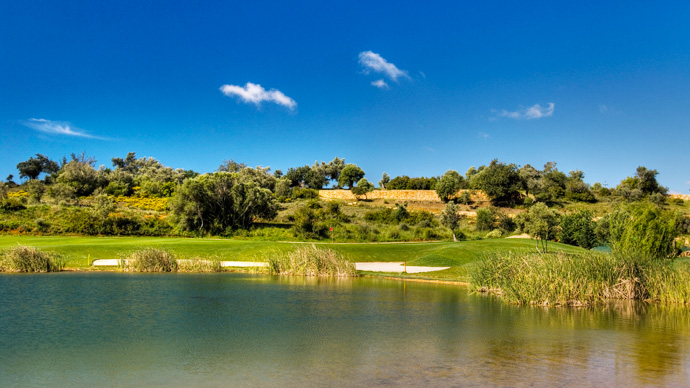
584 279
311 261
79 252
30 259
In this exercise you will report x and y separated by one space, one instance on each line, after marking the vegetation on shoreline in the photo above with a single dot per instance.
30 259
311 261
580 279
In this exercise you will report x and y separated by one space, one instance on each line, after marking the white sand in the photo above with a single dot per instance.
398 267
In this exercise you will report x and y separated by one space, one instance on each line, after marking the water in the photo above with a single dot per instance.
220 330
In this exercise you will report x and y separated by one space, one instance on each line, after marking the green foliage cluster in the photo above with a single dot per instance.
149 260
644 229
406 183
540 222
578 229
30 259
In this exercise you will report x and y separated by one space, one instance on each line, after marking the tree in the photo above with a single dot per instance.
540 222
578 229
334 168
485 219
363 187
385 178
499 181
643 229
530 178
576 189
449 184
450 218
222 201
32 168
80 174
350 174
551 186
231 166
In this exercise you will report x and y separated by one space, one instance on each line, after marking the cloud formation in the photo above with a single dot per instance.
56 128
534 112
372 62
381 84
256 94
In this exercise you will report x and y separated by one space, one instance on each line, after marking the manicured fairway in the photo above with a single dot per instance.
458 256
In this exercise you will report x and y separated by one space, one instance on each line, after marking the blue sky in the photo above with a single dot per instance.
402 87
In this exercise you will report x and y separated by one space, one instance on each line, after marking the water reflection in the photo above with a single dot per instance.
239 330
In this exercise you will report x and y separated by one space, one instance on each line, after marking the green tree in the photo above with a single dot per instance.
643 229
576 189
222 201
578 229
350 174
449 184
529 177
32 168
450 218
485 219
499 181
363 187
540 222
385 178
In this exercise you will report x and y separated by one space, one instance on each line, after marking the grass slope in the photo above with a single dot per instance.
459 256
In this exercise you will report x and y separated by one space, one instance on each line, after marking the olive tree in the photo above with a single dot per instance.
219 202
448 185
363 187
350 174
450 218
541 223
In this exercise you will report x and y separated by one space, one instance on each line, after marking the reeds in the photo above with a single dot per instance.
149 260
160 260
579 279
30 259
197 264
311 261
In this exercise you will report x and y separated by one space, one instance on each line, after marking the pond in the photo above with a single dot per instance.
219 330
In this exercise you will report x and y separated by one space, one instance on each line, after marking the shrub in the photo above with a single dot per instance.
311 261
149 260
198 264
30 259
485 219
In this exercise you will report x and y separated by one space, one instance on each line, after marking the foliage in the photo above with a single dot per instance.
29 259
149 260
219 202
540 222
449 184
308 224
406 183
450 218
643 228
311 261
32 168
300 193
36 189
499 181
578 229
363 187
637 187
485 219
385 178
350 174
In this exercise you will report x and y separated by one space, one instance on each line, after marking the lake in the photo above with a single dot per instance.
220 330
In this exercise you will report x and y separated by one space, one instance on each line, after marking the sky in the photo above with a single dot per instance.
409 88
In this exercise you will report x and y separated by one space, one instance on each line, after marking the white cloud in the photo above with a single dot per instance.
483 135
56 128
534 112
429 149
374 62
256 94
603 108
381 84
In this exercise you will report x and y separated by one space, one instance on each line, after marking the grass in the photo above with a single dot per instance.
149 260
460 256
311 261
580 279
29 259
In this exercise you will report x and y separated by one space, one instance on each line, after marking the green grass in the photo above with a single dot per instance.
459 256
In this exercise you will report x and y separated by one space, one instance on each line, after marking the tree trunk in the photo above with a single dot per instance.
455 239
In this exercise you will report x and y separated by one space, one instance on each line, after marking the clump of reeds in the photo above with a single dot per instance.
149 260
311 261
198 264
30 259
563 279
668 283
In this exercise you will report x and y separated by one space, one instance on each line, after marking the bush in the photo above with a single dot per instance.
485 219
149 260
300 193
30 259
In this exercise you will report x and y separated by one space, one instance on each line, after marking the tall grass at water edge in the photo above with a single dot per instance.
161 260
579 279
311 261
30 259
